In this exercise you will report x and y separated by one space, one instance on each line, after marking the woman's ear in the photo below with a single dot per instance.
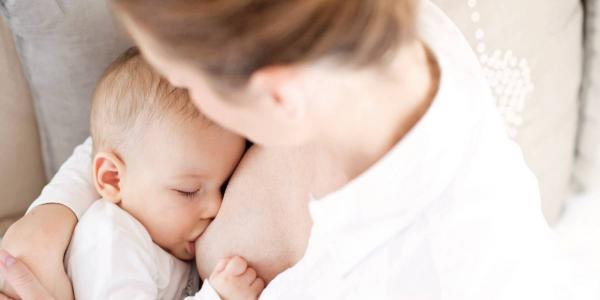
283 93
108 171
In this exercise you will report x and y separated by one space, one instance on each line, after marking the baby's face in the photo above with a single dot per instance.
173 180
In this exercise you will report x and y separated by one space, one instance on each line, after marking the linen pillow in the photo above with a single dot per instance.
587 171
532 56
64 46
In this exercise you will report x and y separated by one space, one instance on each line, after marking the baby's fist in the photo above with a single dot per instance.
233 279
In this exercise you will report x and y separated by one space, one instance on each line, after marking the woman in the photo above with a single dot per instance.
376 163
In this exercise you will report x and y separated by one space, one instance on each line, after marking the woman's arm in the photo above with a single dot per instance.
40 238
39 241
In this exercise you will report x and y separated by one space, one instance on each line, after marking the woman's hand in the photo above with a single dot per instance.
38 241
26 285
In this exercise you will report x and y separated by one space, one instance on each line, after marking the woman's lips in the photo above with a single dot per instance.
191 248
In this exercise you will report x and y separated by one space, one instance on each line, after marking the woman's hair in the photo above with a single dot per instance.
231 39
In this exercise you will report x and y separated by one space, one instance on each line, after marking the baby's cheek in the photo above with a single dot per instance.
169 237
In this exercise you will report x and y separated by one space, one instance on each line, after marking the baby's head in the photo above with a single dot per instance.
156 156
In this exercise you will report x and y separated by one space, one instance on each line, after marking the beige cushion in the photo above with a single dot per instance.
531 52
22 171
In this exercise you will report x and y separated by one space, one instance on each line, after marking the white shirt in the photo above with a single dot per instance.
112 256
451 212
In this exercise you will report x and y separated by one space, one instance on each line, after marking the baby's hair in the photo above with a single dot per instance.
130 95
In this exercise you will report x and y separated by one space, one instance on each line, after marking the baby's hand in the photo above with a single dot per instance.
233 279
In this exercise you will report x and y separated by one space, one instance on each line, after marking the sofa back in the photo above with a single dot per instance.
21 167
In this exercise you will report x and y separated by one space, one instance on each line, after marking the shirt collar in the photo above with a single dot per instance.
387 198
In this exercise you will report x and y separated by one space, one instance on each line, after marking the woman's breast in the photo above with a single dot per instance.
263 218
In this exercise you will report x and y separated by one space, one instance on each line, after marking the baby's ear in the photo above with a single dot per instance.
108 170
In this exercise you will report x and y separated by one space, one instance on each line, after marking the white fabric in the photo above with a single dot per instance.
452 212
72 186
206 293
578 231
112 256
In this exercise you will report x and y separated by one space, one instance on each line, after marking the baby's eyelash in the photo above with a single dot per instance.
188 194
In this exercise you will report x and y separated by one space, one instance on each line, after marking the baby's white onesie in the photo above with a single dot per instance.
112 256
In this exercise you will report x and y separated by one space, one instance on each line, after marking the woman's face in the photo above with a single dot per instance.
255 115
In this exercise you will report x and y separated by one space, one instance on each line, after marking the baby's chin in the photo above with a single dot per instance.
182 253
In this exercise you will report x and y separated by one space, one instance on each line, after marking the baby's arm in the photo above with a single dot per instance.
232 279
49 223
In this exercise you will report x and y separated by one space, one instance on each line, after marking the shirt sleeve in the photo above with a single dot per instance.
72 186
207 292
107 260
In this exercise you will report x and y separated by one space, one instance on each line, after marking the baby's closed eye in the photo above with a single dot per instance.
189 193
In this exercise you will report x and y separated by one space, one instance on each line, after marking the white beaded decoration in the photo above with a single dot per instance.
509 77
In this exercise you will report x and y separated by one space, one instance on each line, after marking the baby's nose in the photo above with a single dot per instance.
212 206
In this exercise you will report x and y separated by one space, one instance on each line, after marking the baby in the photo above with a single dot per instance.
160 167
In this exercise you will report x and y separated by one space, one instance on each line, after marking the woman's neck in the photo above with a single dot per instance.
378 116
